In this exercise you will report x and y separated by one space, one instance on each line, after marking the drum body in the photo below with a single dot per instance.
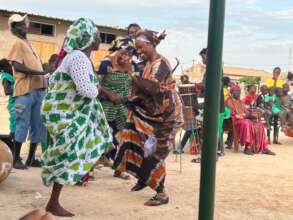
186 89
189 118
189 100
188 95
255 114
6 161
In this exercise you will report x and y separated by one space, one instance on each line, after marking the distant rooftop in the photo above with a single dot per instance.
9 12
196 72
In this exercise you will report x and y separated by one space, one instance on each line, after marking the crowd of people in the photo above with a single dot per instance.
254 114
125 114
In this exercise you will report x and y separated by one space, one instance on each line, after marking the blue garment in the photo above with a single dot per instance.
28 117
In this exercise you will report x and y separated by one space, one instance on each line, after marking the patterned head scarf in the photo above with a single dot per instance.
234 87
122 44
80 35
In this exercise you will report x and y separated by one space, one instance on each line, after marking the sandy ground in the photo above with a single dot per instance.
256 187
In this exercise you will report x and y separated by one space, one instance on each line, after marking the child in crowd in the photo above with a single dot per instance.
8 85
270 104
263 107
287 106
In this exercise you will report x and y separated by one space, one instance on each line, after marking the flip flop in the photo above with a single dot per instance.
196 160
121 176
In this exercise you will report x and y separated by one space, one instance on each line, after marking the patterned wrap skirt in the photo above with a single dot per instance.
78 132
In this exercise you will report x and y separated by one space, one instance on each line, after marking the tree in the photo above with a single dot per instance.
250 80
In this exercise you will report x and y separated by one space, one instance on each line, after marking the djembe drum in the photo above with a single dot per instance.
255 114
189 118
187 89
6 161
188 94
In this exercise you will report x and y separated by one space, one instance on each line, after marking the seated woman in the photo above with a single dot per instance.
251 133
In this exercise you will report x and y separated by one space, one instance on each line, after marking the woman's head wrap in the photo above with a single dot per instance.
234 87
148 37
122 44
80 35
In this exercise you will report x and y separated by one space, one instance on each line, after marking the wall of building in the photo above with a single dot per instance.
47 45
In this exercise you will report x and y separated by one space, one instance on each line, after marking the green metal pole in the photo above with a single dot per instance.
211 110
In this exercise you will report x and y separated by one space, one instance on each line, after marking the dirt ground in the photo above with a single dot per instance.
256 187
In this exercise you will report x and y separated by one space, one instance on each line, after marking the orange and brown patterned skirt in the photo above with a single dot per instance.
130 157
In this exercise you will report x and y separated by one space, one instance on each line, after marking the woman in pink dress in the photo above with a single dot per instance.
251 132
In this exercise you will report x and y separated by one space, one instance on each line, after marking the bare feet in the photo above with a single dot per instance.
268 152
248 151
277 142
57 210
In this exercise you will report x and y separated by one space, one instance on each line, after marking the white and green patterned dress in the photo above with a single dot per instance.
77 127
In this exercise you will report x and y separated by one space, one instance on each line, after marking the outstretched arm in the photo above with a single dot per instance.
19 67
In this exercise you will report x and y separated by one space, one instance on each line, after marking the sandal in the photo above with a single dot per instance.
36 163
196 160
138 186
269 152
277 142
91 176
117 174
157 200
84 180
248 151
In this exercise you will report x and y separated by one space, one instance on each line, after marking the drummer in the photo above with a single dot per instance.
184 79
191 131
204 56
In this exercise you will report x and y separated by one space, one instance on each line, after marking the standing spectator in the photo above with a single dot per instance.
275 82
287 106
290 83
28 90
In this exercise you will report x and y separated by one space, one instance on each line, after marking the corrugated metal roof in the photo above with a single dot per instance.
56 18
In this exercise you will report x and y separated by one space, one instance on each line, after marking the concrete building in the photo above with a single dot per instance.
47 35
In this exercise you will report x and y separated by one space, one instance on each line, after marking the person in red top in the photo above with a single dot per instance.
250 98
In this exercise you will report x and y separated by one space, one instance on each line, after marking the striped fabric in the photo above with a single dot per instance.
159 115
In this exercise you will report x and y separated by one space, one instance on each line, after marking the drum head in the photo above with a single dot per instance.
6 161
186 85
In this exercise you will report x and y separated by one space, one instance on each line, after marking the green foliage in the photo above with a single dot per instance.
250 80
